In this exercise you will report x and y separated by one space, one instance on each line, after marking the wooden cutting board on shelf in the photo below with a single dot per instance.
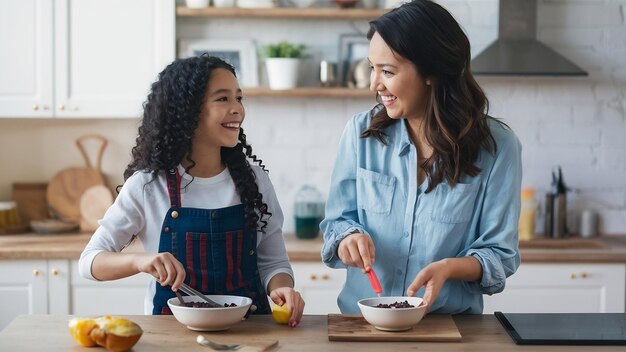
433 328
67 186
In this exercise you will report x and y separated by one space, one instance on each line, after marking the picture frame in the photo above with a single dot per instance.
241 53
352 48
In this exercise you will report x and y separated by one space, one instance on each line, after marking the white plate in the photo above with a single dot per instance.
53 226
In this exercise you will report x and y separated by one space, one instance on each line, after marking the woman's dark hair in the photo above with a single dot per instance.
170 118
456 120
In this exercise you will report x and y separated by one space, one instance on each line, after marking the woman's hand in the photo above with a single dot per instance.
358 250
432 277
164 267
294 301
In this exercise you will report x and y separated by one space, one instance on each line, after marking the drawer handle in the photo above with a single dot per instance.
36 272
584 275
313 277
55 272
573 276
325 277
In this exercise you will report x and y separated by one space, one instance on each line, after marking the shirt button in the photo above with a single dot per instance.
166 229
406 234
174 214
252 252
399 272
215 215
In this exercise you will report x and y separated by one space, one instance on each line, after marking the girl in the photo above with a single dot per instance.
205 216
426 183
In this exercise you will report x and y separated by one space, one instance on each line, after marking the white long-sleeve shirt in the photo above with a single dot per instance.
141 207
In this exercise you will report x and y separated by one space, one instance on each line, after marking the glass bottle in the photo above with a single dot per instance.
308 212
527 215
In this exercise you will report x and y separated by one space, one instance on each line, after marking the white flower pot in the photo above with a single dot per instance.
282 72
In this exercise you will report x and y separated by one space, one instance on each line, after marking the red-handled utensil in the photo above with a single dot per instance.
374 281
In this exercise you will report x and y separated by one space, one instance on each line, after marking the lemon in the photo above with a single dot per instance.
80 329
281 314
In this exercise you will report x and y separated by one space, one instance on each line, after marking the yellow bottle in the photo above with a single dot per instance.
527 215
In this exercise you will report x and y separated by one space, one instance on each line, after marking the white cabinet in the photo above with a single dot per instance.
95 298
562 288
82 58
32 287
26 65
55 287
319 286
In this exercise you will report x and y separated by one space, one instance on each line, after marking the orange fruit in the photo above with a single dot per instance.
80 328
118 326
281 314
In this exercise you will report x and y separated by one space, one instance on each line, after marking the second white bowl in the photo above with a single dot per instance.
392 319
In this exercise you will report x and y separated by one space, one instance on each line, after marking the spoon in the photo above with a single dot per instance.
201 340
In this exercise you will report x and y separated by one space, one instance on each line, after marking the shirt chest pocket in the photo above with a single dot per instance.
454 205
374 191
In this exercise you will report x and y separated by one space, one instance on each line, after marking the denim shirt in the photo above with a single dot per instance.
374 190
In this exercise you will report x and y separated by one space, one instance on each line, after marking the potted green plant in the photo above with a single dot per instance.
282 61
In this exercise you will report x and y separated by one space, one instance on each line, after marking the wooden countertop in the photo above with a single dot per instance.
607 249
163 333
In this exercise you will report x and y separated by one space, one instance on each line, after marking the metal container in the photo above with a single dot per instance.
588 223
328 77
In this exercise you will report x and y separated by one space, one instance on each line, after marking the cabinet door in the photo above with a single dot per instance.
120 297
562 288
26 60
58 286
23 283
107 54
319 286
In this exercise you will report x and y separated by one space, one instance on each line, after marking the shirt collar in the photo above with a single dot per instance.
404 141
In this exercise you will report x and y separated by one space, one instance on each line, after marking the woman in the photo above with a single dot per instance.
426 186
204 214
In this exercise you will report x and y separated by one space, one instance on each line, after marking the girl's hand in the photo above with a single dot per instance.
164 267
358 250
294 301
432 277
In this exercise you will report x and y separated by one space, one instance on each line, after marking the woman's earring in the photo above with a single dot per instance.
427 82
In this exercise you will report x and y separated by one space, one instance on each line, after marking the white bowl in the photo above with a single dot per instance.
197 4
392 319
210 319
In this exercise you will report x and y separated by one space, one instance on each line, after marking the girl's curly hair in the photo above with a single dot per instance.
170 117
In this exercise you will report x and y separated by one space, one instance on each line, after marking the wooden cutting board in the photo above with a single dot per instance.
434 328
94 203
67 187
31 201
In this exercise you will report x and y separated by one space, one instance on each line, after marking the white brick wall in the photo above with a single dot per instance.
579 123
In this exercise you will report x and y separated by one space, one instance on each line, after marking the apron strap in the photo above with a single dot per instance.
173 187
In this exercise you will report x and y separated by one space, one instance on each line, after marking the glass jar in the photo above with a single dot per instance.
9 216
308 212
